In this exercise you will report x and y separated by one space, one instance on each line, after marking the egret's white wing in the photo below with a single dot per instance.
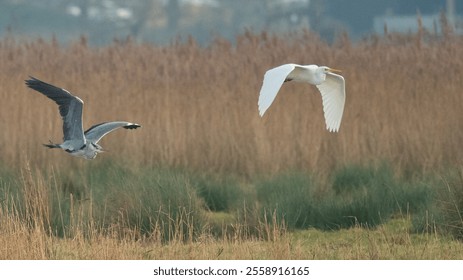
333 97
70 109
96 132
273 79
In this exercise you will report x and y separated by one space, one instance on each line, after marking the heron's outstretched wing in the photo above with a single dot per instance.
96 132
70 109
333 96
273 79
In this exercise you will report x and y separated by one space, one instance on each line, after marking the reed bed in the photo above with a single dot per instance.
203 174
198 105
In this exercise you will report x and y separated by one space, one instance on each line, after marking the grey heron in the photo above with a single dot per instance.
330 85
76 141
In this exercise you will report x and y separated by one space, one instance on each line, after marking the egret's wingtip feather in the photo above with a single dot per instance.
261 111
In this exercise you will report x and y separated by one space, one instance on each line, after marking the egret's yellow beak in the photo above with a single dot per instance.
334 70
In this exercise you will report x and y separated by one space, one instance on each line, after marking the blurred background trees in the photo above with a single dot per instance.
162 21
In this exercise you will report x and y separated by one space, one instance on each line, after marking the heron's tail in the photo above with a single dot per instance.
52 145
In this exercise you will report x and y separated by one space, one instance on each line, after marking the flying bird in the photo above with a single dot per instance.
330 85
75 141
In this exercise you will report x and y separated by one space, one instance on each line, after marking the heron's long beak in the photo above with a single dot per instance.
334 70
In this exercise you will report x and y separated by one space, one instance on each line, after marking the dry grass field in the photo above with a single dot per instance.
198 105
198 109
391 241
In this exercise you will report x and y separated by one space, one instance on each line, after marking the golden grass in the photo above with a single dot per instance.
198 105
198 109
390 241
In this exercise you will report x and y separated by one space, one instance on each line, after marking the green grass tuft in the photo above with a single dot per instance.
220 193
358 195
292 197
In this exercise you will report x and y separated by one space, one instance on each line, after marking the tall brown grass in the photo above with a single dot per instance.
198 109
198 105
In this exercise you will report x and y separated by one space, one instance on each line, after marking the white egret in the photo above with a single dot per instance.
330 85
76 142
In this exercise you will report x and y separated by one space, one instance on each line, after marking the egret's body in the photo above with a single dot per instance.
330 85
76 142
